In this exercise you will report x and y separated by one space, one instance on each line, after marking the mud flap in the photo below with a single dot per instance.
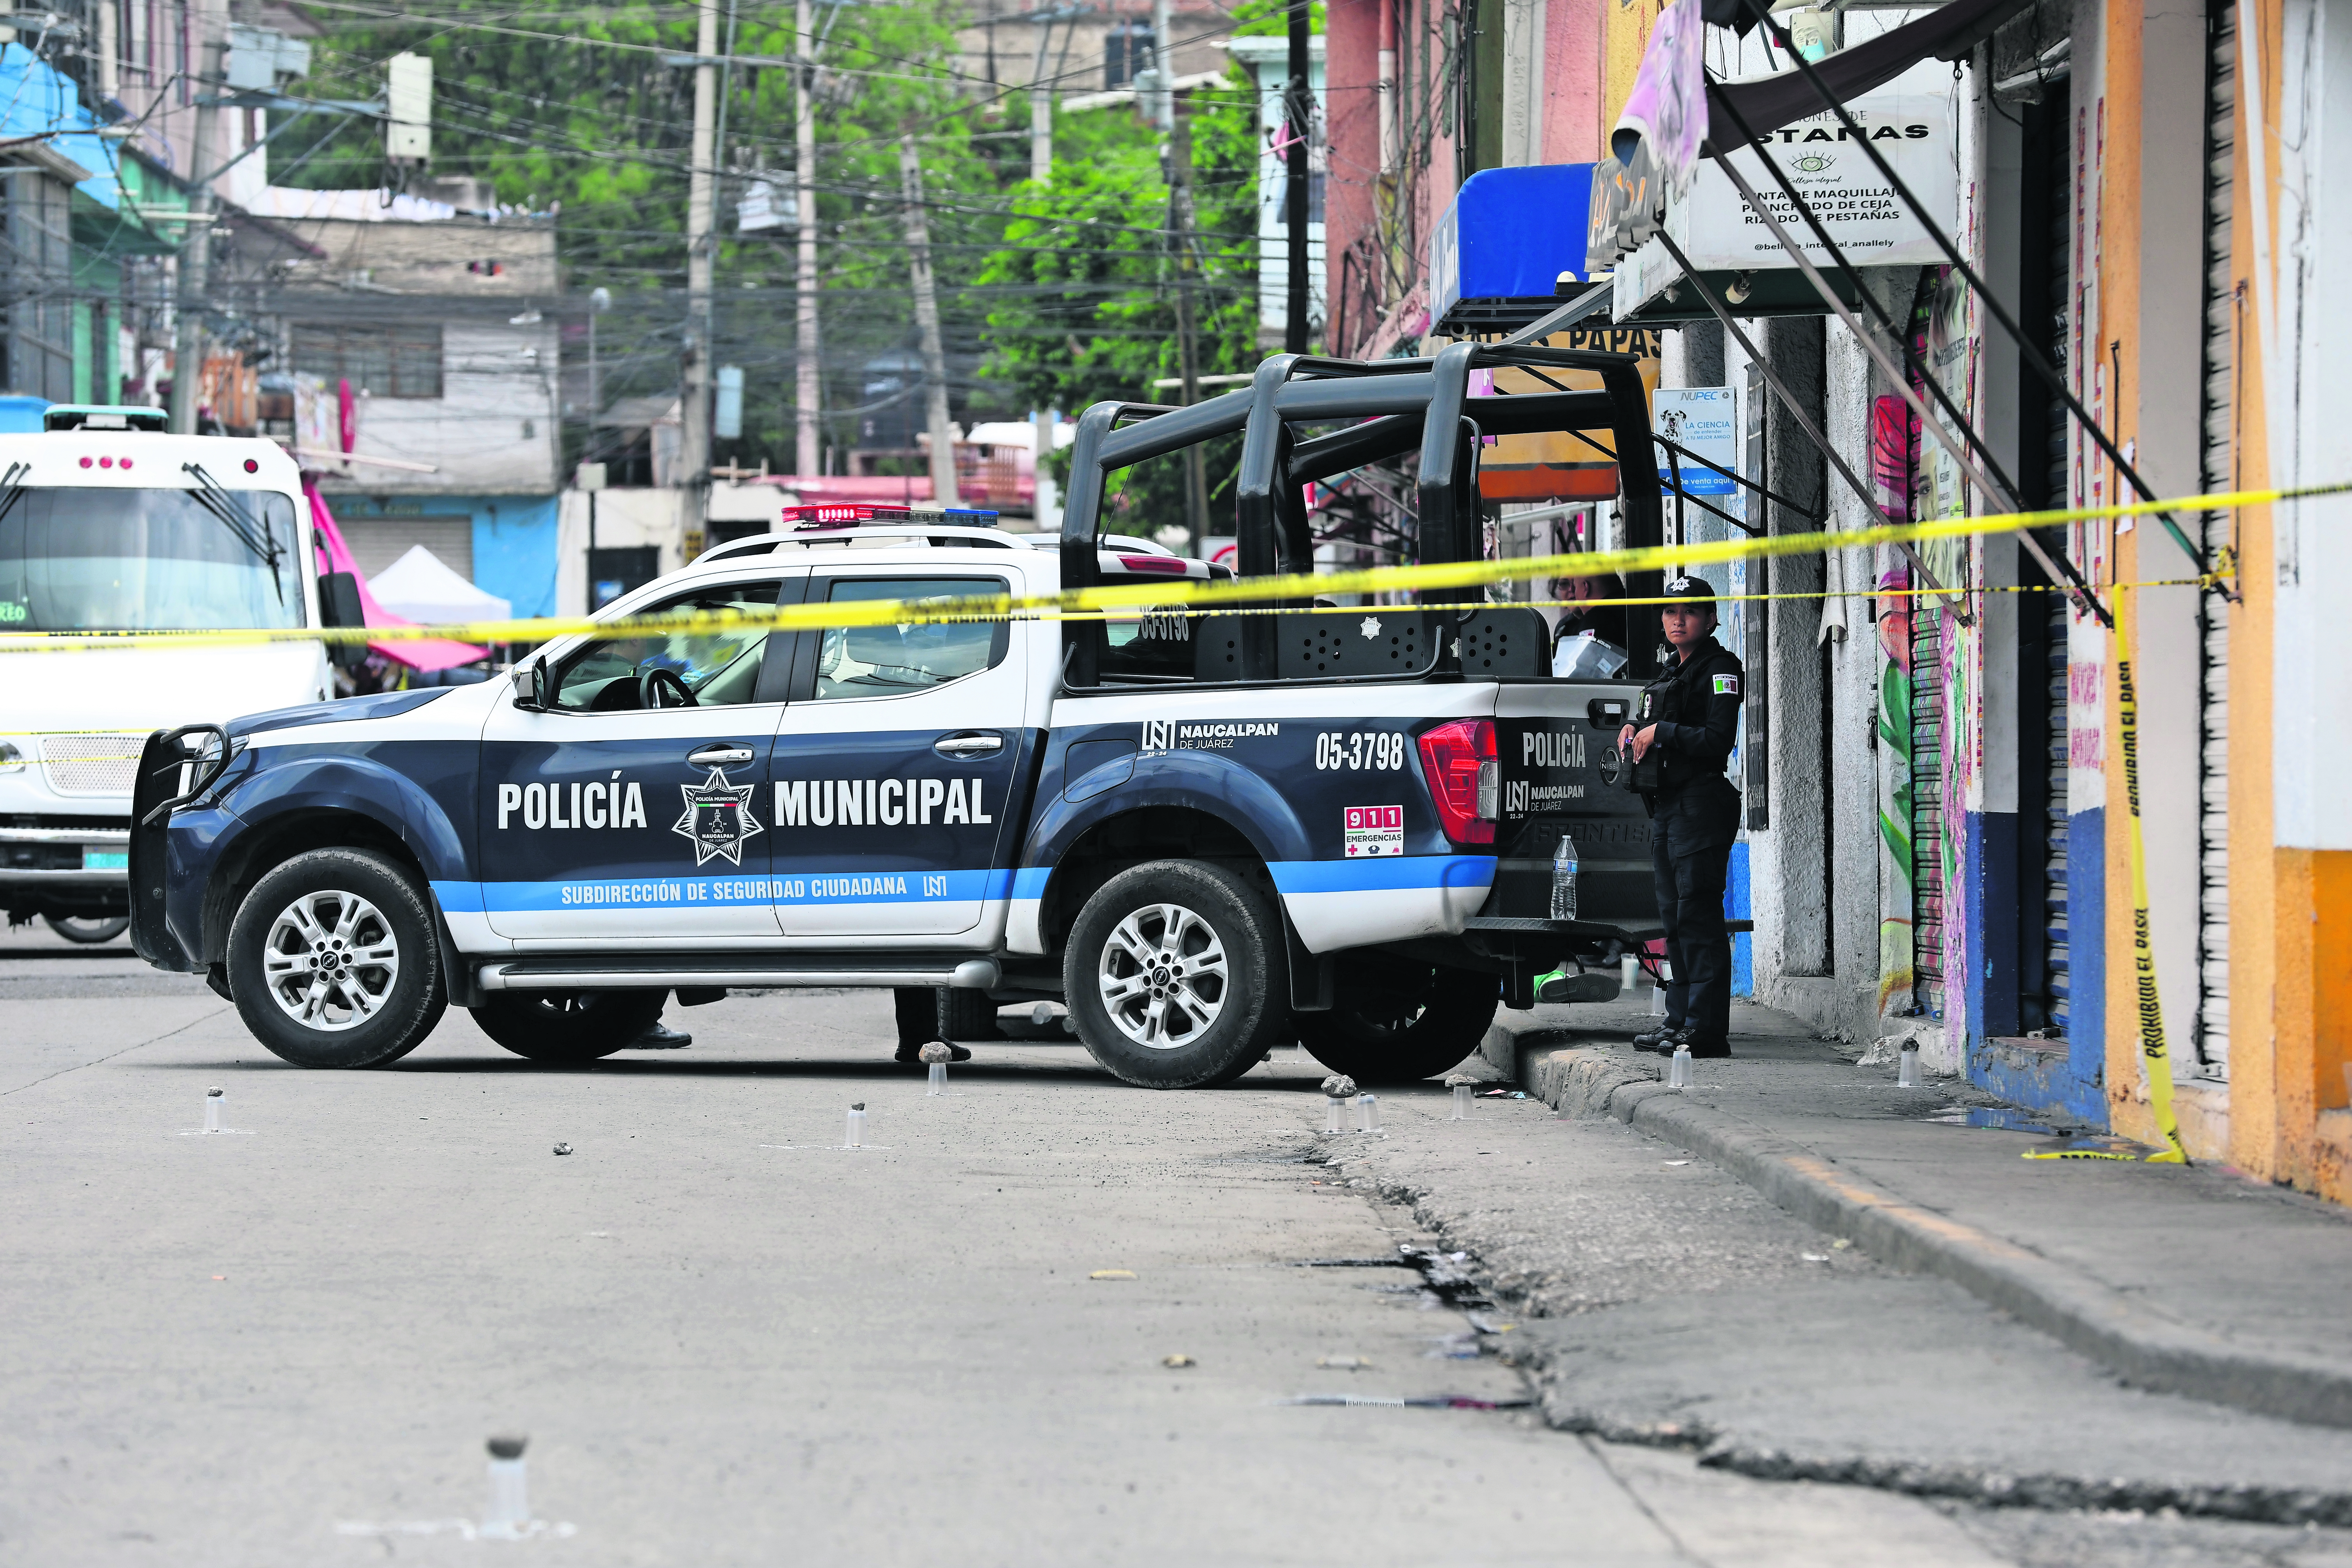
1313 977
457 979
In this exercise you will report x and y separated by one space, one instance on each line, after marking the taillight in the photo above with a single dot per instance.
1465 778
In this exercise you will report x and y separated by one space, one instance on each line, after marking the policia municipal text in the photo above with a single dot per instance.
1681 737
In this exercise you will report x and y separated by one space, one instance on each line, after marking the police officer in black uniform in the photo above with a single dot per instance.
1681 737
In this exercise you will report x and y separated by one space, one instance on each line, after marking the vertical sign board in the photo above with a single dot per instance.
1755 722
1703 420
1699 420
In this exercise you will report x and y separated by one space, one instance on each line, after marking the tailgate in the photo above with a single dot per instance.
1557 743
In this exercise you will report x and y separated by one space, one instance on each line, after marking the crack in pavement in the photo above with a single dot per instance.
135 1045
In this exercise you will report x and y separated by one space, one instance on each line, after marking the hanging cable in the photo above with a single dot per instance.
2027 347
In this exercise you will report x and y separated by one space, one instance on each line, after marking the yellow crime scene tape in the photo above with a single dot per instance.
1160 594
2151 1016
1095 603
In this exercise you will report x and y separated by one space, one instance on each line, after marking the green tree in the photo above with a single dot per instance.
574 111
1083 290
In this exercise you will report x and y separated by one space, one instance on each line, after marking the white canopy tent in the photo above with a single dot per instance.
421 588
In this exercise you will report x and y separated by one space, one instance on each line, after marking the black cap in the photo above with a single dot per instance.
1697 590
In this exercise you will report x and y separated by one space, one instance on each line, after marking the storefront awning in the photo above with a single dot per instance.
1509 244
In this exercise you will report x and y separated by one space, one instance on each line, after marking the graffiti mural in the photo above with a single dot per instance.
1894 461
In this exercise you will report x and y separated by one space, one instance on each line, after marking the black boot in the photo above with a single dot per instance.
660 1036
1660 1039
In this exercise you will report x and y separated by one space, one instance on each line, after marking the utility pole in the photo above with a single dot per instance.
1041 108
927 322
1163 79
1180 168
1298 102
1045 505
694 410
807 384
195 247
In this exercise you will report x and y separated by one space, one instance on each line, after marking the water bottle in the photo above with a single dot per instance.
1563 880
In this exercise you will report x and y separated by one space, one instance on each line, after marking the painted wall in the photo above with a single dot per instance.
624 518
514 540
2290 898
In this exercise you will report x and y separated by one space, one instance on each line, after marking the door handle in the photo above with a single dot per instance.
723 754
969 743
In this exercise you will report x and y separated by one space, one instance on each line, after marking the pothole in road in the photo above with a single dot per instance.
1445 1280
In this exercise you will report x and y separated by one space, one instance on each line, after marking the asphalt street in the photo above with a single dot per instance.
730 1340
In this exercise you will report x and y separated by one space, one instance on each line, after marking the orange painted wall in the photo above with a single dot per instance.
2117 108
2290 907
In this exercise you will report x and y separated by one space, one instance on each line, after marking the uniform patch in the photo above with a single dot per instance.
1374 830
1727 686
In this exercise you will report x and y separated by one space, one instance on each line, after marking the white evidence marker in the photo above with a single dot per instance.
214 1098
508 1517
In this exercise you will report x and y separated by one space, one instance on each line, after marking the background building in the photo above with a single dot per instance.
421 325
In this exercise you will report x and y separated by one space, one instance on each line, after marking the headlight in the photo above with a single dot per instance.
11 760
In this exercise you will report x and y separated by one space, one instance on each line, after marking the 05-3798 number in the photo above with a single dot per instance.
1360 751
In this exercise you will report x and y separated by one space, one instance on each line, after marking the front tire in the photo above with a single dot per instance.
569 1026
332 961
1174 974
1402 1023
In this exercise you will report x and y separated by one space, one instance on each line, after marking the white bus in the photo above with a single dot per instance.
110 524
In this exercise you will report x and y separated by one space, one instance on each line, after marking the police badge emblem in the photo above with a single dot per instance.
717 818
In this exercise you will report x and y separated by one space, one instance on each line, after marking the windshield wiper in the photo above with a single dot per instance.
12 486
222 504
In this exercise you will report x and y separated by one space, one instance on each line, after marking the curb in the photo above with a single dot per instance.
1983 1485
2150 1350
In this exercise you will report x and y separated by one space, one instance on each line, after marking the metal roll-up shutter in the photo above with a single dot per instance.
1927 804
377 541
2059 172
2217 472
2055 1007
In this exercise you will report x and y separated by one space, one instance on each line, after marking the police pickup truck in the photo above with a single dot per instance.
1206 833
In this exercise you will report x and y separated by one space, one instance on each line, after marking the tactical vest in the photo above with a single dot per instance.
1677 698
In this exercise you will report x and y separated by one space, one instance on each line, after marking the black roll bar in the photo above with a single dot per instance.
1400 403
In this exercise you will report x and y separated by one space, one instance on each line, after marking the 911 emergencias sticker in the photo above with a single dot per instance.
1373 830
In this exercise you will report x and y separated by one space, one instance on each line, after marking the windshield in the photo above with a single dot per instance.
159 560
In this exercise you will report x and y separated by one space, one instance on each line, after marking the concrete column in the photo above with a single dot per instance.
1790 861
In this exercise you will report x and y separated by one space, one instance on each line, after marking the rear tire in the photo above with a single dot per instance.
568 1026
88 929
966 1014
1174 975
1420 1021
332 961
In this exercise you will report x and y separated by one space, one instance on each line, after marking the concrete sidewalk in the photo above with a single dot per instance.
2191 1280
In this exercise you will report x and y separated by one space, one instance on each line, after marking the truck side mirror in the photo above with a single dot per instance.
339 606
531 686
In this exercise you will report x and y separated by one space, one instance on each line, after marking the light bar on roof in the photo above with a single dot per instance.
849 514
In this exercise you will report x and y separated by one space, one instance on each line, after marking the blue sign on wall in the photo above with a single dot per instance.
1510 234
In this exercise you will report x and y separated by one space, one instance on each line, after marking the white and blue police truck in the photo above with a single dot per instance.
1205 834
109 524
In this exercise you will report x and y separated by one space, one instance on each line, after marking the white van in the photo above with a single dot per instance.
110 524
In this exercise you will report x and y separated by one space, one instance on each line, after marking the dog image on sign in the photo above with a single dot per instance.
1374 830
